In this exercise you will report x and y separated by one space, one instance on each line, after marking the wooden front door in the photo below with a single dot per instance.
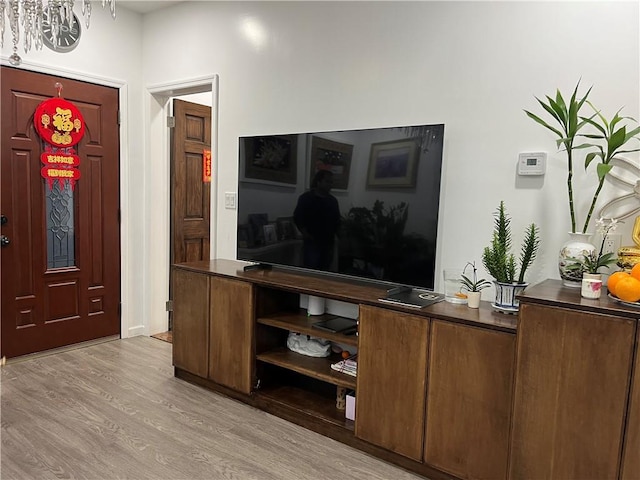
61 249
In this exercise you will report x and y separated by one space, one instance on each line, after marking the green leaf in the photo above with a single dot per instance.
632 134
603 169
595 124
560 112
584 99
544 124
617 139
560 101
589 158
549 110
615 120
604 120
584 145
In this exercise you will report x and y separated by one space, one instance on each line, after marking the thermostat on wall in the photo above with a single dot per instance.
532 163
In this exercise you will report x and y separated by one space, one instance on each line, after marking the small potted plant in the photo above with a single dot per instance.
472 285
592 262
501 263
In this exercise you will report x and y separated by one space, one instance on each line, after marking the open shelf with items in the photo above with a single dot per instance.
318 368
300 322
306 396
304 386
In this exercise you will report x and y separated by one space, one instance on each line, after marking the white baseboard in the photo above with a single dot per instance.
135 331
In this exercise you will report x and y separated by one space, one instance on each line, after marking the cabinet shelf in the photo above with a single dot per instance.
318 368
299 322
307 403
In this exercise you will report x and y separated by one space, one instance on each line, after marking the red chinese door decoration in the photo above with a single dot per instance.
60 124
206 166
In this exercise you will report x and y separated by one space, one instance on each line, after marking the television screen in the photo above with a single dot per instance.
360 203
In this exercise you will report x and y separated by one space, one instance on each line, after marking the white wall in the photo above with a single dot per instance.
313 66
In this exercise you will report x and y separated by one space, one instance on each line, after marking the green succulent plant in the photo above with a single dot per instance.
497 257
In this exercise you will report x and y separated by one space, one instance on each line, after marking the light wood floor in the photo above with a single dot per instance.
115 410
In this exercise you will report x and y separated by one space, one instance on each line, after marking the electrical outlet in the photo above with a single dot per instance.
230 200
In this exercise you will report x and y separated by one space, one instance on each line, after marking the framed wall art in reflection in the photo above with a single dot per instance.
245 236
393 164
284 228
270 234
330 155
270 159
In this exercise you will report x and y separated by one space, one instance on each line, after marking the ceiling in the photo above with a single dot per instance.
145 6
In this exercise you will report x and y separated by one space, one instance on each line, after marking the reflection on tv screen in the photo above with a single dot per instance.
360 203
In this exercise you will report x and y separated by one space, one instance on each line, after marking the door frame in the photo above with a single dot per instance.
157 105
127 328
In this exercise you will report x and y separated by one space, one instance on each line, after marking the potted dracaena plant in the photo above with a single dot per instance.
498 260
472 285
612 137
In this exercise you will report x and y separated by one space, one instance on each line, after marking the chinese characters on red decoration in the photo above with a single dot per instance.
60 124
206 166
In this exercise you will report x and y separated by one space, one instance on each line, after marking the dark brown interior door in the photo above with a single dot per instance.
61 268
191 196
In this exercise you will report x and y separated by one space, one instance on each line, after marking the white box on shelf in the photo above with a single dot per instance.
350 411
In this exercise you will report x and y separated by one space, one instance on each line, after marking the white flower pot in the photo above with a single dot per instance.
591 285
473 299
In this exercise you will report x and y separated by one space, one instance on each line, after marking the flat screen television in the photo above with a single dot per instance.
378 223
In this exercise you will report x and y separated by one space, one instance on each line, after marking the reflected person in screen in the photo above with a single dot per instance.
317 216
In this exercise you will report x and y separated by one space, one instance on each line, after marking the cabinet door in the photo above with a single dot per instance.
631 457
572 382
191 321
392 369
231 334
469 395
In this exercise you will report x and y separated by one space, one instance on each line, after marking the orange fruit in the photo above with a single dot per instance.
614 278
635 271
628 289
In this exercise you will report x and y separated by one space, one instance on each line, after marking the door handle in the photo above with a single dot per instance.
3 219
4 240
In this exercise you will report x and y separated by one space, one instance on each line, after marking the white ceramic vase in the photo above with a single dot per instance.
571 256
591 285
473 299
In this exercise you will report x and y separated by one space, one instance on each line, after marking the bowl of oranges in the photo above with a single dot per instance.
625 286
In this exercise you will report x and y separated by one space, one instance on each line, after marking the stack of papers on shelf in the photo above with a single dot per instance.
348 366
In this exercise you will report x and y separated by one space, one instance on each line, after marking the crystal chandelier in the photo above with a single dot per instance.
32 15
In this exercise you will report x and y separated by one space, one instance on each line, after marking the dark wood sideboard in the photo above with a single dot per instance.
445 391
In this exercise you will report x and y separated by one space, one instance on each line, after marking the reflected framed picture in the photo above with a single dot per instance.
330 155
284 228
270 236
393 164
270 159
245 236
257 221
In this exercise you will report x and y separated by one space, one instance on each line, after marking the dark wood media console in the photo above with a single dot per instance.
445 391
